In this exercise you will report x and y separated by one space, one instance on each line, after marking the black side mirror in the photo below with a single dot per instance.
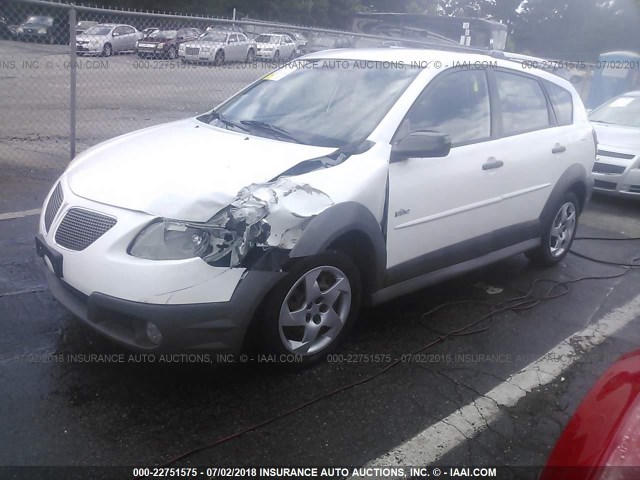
421 144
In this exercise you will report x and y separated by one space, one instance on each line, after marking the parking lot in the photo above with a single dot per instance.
72 398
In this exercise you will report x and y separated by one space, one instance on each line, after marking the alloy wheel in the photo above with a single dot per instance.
562 229
315 310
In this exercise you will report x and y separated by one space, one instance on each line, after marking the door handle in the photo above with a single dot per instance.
558 148
492 163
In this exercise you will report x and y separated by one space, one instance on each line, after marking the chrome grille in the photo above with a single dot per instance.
599 167
192 51
53 206
80 228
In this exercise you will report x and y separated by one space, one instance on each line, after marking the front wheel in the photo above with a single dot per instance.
107 51
312 310
558 232
172 54
251 56
219 58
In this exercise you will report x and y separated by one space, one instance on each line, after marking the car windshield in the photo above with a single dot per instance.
40 21
267 39
624 110
214 37
98 30
321 102
164 34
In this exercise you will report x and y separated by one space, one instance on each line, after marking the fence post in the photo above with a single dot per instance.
72 89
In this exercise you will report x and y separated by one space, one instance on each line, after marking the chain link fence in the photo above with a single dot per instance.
130 70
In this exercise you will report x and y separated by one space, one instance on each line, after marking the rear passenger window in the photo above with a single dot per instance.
457 104
523 104
562 103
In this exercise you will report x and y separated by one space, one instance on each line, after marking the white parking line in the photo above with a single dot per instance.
22 214
438 439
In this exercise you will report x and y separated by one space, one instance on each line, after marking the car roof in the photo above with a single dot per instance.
445 56
449 56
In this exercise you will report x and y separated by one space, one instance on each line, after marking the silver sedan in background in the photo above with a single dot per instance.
106 39
617 167
219 46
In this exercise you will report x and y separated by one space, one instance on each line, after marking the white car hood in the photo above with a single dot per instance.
625 139
184 170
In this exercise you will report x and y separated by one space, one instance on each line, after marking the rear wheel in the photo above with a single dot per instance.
312 310
276 56
251 56
558 232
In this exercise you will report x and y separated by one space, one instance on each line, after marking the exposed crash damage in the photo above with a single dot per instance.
270 215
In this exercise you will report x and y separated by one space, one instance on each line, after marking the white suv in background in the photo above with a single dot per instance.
346 178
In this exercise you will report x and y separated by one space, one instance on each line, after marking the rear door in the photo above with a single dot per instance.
130 34
233 49
119 40
534 149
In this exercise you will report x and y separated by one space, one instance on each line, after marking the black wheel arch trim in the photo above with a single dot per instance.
576 174
337 221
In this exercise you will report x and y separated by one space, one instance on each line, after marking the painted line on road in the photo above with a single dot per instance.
437 440
22 214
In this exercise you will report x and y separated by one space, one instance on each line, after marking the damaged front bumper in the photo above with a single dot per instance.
212 327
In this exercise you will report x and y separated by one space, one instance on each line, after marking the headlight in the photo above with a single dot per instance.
233 231
161 45
42 30
20 29
170 241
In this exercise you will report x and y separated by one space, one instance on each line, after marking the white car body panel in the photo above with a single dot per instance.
105 266
189 171
195 169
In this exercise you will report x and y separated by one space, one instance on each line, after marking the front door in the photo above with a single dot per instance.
442 210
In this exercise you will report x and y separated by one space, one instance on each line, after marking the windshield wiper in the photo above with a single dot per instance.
275 130
227 123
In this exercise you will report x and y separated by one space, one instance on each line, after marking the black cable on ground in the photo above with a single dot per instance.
525 302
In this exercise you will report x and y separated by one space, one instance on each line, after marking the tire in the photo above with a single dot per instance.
322 312
172 53
107 51
219 58
276 56
251 56
558 232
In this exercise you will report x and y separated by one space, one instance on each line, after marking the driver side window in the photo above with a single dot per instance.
456 104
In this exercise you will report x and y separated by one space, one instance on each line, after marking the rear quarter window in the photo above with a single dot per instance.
561 101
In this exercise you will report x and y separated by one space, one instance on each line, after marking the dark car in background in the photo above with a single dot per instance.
165 43
7 31
44 28
148 31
